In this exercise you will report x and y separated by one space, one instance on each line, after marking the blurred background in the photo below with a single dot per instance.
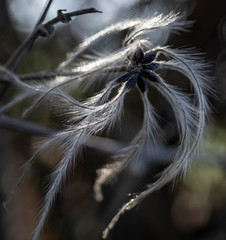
195 209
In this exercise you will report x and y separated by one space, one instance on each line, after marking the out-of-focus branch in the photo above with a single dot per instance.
45 75
102 145
25 127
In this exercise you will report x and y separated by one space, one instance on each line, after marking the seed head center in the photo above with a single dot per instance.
137 68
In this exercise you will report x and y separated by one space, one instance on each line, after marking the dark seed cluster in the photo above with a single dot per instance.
141 68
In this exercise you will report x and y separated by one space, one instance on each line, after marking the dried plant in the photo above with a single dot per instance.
137 64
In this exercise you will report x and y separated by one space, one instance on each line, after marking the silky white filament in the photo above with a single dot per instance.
133 65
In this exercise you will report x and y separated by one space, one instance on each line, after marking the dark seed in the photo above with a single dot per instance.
138 56
141 84
132 82
152 66
149 57
151 76
46 31
124 78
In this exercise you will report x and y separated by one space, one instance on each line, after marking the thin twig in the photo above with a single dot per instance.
43 75
51 75
46 75
19 54
43 15
66 17
42 30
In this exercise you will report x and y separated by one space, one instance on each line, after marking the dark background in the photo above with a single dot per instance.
194 209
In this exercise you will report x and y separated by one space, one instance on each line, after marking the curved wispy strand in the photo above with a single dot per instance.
148 134
72 139
136 65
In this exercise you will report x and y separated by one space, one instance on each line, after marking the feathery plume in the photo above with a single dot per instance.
137 64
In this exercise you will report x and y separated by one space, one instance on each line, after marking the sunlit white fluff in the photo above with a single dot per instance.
148 134
140 25
72 139
101 111
87 42
170 22
190 137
